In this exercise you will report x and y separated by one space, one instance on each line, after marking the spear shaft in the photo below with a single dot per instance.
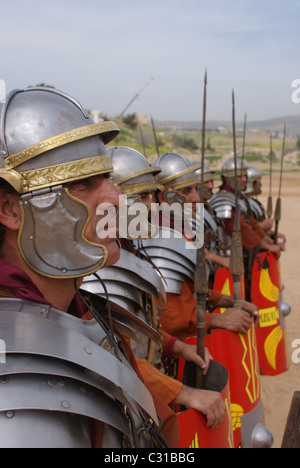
155 137
270 199
277 216
236 257
200 271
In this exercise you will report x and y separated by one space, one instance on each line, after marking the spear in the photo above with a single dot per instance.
270 199
277 216
143 141
155 138
133 99
244 142
200 271
236 257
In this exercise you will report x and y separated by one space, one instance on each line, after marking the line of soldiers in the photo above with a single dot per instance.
96 324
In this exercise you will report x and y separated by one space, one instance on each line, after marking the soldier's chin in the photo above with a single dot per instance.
114 253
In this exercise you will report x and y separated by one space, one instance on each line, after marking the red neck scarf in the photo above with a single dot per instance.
22 287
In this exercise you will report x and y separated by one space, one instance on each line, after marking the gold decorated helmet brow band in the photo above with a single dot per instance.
59 174
59 140
168 179
133 175
180 185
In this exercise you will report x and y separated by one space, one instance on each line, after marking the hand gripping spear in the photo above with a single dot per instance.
200 271
277 216
236 257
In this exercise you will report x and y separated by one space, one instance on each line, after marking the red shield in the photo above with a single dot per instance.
193 430
265 292
238 353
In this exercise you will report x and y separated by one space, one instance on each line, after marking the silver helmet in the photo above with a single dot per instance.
133 175
228 171
177 172
254 176
47 140
208 174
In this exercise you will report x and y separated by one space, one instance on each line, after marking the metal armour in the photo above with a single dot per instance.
60 377
133 175
254 175
208 175
177 172
128 283
257 209
228 171
169 254
47 140
223 202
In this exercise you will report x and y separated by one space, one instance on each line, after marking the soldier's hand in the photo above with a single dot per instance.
251 309
189 353
235 320
206 402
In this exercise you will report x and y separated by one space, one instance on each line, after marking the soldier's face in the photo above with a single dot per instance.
208 188
192 196
96 191
242 180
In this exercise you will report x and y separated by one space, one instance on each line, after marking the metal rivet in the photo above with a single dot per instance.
9 414
56 383
87 350
65 404
3 379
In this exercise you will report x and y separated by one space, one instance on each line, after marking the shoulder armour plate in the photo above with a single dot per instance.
223 202
57 362
256 208
175 262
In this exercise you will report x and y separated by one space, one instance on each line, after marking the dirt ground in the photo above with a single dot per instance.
278 391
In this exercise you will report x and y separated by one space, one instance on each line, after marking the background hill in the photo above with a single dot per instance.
185 138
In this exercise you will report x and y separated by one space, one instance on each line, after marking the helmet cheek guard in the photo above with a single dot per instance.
46 213
48 140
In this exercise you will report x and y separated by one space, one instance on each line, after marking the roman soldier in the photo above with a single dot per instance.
133 284
265 277
70 379
170 252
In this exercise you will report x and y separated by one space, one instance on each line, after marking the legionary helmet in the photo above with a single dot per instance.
208 175
228 171
48 140
133 175
177 172
254 176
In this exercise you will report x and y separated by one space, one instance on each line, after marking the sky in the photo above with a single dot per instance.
104 53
